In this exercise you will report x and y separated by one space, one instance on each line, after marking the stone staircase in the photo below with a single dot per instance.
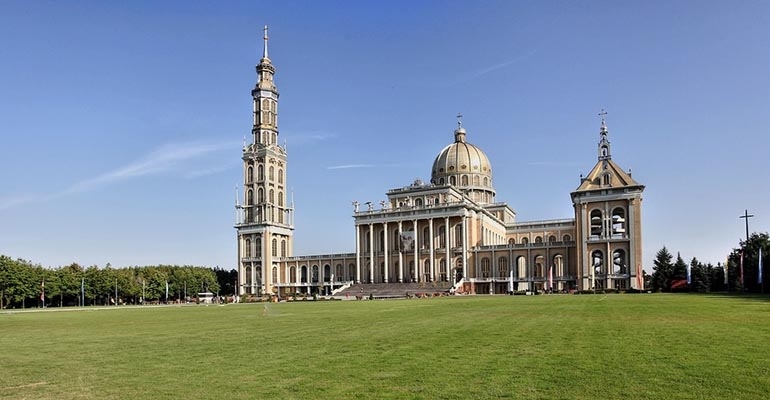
394 290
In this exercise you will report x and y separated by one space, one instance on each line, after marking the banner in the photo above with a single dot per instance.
406 240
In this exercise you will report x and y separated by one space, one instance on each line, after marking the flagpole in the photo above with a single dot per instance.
761 286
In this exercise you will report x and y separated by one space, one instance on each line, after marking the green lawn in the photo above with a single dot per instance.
537 347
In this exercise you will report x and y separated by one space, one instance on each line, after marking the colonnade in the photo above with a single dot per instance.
371 254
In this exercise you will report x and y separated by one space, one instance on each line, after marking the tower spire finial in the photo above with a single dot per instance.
264 37
604 142
602 114
459 120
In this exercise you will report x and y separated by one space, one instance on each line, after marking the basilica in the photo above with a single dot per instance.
449 233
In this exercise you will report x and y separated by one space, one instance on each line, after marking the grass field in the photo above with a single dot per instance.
534 347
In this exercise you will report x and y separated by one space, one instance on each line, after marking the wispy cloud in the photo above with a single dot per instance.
492 68
164 159
210 171
161 160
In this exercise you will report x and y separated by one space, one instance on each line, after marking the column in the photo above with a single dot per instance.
358 254
371 253
432 259
400 257
582 271
416 276
387 254
465 247
448 245
632 245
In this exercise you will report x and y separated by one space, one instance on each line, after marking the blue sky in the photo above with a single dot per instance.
122 124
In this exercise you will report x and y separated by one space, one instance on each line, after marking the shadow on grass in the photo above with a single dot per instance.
765 298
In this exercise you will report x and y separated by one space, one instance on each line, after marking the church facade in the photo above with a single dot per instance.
450 232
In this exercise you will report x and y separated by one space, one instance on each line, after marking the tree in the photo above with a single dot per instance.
662 271
679 271
700 276
750 251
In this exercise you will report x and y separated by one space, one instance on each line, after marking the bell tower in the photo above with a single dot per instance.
608 224
265 220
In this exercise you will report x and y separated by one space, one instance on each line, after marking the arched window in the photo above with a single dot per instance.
280 175
280 199
275 247
327 273
558 263
475 180
441 181
260 196
270 173
249 279
425 243
395 240
452 180
551 239
597 262
596 223
539 266
271 197
293 274
607 180
275 274
458 235
247 248
538 239
618 222
260 172
485 268
502 267
486 181
442 270
258 246
283 247
566 238
619 263
418 202
351 272
303 274
442 237
250 197
511 241
250 174
521 267
339 274
465 180
524 241
314 276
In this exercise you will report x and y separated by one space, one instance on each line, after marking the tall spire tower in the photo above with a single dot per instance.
266 221
604 142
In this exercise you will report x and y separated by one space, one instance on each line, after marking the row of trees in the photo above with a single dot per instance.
23 284
668 275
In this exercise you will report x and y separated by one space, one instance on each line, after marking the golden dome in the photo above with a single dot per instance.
466 167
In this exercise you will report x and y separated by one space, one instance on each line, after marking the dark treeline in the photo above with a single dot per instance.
24 284
711 278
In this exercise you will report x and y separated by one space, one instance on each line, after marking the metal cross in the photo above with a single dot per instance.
459 120
746 216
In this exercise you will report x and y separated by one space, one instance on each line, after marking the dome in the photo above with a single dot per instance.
466 167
